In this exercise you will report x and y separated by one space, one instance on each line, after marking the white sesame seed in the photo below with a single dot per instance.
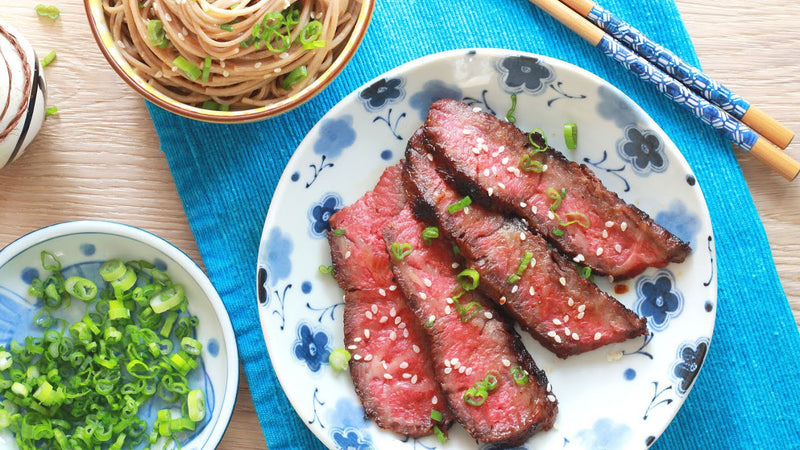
447 309
550 214
454 361
468 371
284 55
581 308
387 376
466 210
406 375
384 364
393 336
599 251
579 258
462 369
576 337
257 65
435 400
486 172
567 331
514 289
580 315
423 295
368 314
393 312
427 282
467 132
566 318
414 379
352 347
429 156
501 185
447 363
618 248
382 292
374 309
544 167
504 161
277 70
488 314
623 226
476 150
366 334
522 236
562 281
551 397
393 287
597 336
557 338
609 224
449 300
605 234
225 73
557 321
357 339
402 325
531 291
570 301
534 209
506 362
415 347
403 365
357 357
455 265
551 333
476 109
490 191
347 254
431 318
405 332
368 357
397 320
384 319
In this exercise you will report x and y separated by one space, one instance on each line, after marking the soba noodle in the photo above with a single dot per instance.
244 49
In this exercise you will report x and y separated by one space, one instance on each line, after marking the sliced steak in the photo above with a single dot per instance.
565 312
560 199
380 331
470 341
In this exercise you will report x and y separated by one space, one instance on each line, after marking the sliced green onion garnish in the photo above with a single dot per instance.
400 251
339 232
537 148
156 34
459 205
48 11
214 106
49 58
430 233
339 358
556 197
50 111
436 416
575 218
295 76
439 434
585 272
571 135
558 232
206 69
309 35
226 26
528 164
50 262
113 269
510 117
519 375
196 405
169 298
186 67
475 397
326 270
468 279
524 262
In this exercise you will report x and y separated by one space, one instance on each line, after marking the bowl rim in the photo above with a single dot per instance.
249 115
20 244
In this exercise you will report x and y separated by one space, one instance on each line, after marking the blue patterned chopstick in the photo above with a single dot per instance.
742 135
690 76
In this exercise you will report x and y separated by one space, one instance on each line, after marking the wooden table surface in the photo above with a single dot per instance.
81 167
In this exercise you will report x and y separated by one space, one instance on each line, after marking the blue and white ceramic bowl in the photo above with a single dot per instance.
81 247
621 396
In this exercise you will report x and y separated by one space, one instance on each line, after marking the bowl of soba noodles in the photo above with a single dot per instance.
228 60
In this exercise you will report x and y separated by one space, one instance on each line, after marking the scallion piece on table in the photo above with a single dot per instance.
571 135
49 58
48 11
339 358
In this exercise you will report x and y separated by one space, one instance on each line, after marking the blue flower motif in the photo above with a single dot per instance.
613 106
643 150
605 434
319 214
335 135
350 439
311 347
432 91
279 250
687 366
680 221
523 73
382 93
658 299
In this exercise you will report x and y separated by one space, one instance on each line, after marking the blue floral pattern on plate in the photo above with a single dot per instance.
627 151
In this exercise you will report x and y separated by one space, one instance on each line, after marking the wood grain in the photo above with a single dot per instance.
80 168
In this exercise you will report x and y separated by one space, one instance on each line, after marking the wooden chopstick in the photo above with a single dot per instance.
738 132
692 77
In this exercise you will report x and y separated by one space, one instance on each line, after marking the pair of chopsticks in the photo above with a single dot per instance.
745 125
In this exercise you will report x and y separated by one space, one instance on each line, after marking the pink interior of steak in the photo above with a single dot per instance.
469 340
560 199
391 368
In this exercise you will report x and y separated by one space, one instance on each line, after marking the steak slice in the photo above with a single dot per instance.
565 312
591 224
380 330
470 339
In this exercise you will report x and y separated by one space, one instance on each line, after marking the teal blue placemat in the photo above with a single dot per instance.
747 394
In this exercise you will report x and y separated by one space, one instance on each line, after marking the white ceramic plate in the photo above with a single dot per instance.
81 247
620 396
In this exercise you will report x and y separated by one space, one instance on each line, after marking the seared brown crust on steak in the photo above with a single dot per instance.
380 331
565 312
486 155
469 339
